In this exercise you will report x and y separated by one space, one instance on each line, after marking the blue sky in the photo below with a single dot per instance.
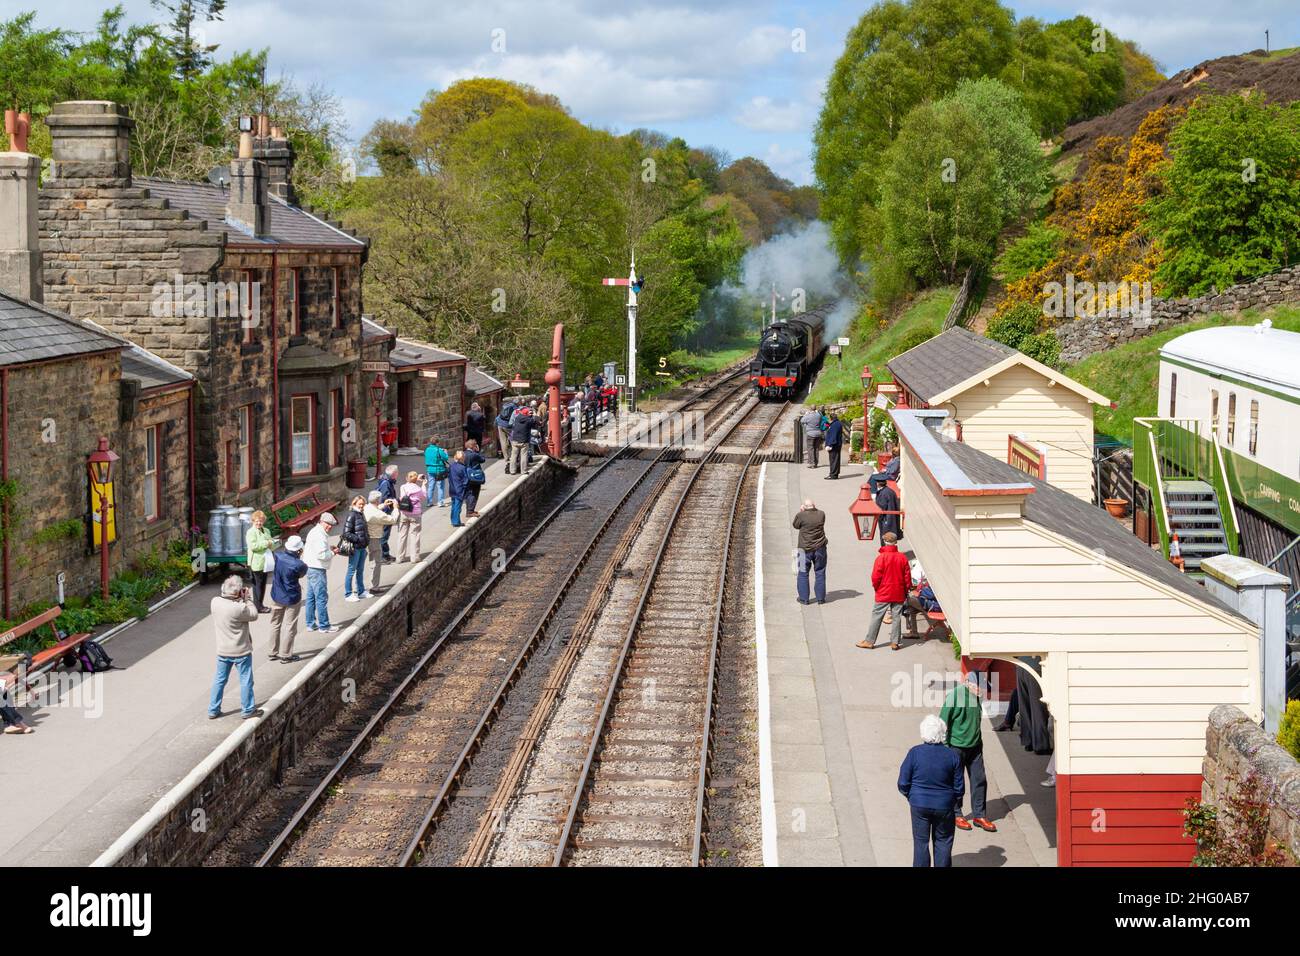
725 73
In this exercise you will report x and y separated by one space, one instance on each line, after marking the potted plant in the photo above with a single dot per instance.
1118 507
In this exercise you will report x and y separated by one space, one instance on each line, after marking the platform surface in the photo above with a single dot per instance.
842 719
109 749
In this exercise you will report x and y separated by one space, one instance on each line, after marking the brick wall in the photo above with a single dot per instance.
235 784
1082 337
1235 744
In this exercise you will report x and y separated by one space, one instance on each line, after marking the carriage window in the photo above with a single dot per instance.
1214 412
1173 394
1232 418
1254 425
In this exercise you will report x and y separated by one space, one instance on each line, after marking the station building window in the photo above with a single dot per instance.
1173 394
1214 413
303 424
1254 426
152 473
1232 418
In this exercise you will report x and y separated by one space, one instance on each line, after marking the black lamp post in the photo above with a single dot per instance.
378 388
100 467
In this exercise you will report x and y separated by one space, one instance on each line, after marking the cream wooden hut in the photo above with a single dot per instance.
1134 654
994 392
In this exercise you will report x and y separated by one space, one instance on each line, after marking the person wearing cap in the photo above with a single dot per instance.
286 598
232 611
962 714
380 517
317 554
891 577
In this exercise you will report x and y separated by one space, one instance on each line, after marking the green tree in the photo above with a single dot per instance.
30 63
190 55
1230 208
1021 173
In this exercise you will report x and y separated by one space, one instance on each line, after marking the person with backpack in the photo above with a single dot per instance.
436 461
380 516
354 541
502 423
474 477
286 598
410 506
387 489
458 478
232 611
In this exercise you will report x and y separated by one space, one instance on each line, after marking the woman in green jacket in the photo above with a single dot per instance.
260 544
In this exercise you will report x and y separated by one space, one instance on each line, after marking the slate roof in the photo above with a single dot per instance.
948 359
29 332
409 354
478 382
289 225
1075 519
151 370
372 331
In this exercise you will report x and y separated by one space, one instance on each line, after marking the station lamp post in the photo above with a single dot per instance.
866 411
378 389
100 468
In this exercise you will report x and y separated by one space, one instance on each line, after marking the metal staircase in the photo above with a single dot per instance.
1195 516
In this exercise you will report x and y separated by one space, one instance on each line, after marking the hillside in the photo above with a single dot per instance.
1276 74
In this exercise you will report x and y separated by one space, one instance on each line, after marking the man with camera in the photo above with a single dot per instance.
232 611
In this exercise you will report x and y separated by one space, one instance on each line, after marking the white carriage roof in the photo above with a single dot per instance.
1256 353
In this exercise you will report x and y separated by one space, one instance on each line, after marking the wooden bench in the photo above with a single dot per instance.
866 506
936 621
44 656
297 511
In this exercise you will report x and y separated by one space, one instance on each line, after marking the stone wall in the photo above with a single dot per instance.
1236 744
57 411
1082 337
235 783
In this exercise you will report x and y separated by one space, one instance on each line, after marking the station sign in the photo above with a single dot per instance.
882 401
519 383
843 342
835 350
620 380
376 367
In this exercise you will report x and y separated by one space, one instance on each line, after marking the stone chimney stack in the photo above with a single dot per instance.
92 142
20 240
277 153
247 209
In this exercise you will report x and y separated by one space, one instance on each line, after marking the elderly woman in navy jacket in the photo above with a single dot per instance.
932 781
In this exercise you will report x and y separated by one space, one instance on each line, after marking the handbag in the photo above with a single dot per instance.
268 562
474 474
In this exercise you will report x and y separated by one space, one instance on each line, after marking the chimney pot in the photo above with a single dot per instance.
247 208
20 240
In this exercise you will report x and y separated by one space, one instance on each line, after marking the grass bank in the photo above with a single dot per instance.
1129 374
873 345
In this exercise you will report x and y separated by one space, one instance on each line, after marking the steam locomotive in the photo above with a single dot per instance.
788 353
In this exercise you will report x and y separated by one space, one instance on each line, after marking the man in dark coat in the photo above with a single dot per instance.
1035 734
834 438
475 423
887 500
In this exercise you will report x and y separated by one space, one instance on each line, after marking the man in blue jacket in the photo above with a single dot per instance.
286 598
502 423
388 492
834 439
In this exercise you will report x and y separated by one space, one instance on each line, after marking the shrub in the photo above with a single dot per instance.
1043 347
915 337
1031 252
1016 325
1235 834
1288 731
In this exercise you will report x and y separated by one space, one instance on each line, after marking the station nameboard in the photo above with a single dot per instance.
376 367
519 383
1026 457
843 342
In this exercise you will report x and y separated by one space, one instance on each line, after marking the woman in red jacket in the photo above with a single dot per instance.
892 579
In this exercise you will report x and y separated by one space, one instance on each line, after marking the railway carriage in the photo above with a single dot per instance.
788 354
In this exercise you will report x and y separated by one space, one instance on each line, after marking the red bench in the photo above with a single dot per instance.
300 509
44 656
866 507
936 620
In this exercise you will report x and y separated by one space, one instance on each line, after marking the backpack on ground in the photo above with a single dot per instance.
90 657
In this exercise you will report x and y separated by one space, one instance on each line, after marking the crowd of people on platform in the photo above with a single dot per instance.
822 429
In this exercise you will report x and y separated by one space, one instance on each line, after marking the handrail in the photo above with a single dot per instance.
1283 553
1160 492
1226 503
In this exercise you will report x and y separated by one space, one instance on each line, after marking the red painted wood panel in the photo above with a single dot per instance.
1134 854
1128 818
1143 822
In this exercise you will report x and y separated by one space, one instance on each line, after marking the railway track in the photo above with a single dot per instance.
640 795
381 801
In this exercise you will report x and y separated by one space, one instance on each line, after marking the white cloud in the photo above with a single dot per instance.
792 162
766 115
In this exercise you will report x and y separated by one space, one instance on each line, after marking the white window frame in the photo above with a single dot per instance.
152 475
310 433
244 447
